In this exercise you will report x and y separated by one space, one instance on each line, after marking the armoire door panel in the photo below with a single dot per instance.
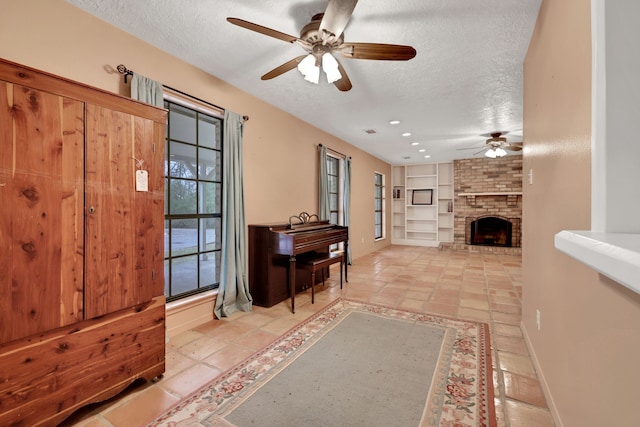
122 223
41 241
149 205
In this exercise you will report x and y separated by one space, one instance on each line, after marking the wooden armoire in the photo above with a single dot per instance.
82 306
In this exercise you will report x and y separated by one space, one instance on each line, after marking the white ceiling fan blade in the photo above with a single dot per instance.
337 16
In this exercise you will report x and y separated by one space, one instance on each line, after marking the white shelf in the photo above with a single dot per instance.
423 169
424 181
445 201
616 255
445 192
445 234
421 226
419 235
424 225
397 233
445 221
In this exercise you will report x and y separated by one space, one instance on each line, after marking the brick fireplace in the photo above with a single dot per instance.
488 204
491 230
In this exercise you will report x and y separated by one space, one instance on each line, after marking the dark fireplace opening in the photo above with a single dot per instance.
493 231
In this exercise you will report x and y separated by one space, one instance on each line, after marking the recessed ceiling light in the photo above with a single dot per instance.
406 134
415 143
427 156
394 122
422 150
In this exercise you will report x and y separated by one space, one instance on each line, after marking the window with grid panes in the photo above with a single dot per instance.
378 210
333 172
193 201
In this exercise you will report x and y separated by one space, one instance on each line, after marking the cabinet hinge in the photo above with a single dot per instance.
153 147
153 274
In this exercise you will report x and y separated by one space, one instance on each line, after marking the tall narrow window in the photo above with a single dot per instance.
333 172
193 201
378 209
335 195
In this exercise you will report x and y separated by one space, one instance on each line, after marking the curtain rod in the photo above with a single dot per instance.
337 152
127 72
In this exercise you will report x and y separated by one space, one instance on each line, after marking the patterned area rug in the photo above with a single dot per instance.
438 374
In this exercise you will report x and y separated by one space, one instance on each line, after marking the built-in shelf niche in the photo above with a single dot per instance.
422 224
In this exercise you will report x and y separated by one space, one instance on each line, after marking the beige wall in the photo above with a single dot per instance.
589 341
279 150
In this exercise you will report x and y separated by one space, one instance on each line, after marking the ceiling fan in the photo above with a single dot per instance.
322 38
496 146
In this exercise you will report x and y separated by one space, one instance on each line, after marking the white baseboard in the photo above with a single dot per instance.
543 382
186 314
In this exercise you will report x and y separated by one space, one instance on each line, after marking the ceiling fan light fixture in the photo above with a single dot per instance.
313 76
330 68
325 34
308 69
491 153
500 152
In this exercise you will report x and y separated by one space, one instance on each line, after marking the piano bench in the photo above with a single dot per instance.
320 262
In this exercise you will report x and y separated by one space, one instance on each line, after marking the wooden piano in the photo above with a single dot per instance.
273 249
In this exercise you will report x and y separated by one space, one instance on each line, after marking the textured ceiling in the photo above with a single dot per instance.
465 81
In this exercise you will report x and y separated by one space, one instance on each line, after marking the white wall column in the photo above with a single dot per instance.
612 246
615 117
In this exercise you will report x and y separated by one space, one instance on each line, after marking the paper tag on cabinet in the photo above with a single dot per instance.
142 180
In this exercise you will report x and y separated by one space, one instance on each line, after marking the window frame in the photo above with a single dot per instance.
202 250
338 212
379 194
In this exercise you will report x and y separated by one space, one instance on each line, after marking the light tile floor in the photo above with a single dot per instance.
458 284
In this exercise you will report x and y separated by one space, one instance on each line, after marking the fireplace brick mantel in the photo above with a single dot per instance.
482 187
512 197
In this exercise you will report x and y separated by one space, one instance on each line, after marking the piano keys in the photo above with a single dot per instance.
273 249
